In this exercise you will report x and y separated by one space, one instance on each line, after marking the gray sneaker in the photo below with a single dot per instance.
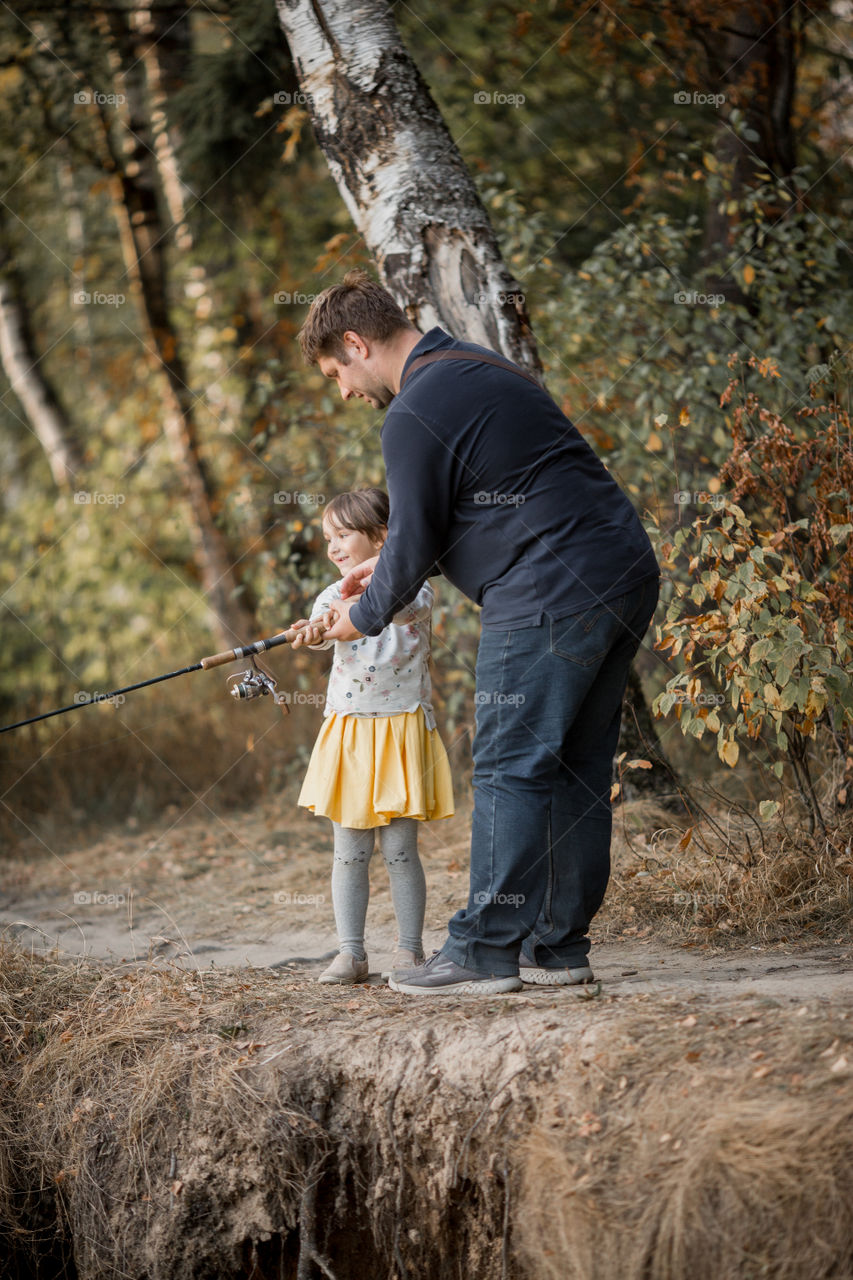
439 976
345 970
534 974
403 959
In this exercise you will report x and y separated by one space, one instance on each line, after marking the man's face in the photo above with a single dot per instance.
357 379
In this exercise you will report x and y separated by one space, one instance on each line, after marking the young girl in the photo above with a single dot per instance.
378 762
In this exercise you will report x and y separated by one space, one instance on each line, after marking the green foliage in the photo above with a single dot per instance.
646 324
761 598
755 625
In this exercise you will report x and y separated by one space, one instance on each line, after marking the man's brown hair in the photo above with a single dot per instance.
357 303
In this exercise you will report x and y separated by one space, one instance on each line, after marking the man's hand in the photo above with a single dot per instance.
354 582
339 625
309 633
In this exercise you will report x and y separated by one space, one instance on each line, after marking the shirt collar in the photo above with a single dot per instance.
433 338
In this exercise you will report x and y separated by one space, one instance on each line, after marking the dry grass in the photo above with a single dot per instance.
700 1163
164 1123
727 877
101 764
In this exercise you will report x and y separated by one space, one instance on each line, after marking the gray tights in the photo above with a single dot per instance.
351 886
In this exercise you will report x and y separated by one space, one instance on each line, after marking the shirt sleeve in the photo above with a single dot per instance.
422 471
319 607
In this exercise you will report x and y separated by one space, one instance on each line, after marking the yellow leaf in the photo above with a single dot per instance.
729 752
638 764
748 274
685 839
654 444
684 417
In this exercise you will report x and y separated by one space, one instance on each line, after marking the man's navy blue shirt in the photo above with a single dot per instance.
492 486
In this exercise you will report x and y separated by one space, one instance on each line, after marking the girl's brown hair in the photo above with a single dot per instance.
363 510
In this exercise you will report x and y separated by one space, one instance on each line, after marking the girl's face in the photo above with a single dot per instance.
348 547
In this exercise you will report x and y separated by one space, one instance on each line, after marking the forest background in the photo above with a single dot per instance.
670 186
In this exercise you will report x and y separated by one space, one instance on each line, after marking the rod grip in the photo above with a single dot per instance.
250 650
217 659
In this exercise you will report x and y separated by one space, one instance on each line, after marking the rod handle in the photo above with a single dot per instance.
251 650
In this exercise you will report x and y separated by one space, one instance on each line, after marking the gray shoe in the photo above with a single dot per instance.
534 974
345 970
405 960
439 976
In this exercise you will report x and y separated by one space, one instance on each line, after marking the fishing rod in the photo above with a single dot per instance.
253 683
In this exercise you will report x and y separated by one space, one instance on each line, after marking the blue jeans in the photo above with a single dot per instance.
549 700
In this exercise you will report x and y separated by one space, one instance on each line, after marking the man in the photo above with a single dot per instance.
492 486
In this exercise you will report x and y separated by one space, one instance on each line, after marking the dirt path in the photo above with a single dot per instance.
232 891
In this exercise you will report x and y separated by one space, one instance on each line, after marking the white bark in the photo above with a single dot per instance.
401 175
21 365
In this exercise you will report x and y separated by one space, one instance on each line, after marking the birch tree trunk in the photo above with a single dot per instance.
143 237
21 364
160 42
401 176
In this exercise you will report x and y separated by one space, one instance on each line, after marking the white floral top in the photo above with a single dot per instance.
382 675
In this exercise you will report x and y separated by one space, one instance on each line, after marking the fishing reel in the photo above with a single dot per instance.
256 683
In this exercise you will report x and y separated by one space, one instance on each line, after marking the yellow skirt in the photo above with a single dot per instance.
366 770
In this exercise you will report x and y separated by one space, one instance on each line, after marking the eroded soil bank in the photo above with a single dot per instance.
163 1123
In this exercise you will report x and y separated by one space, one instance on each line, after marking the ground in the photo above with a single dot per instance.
252 888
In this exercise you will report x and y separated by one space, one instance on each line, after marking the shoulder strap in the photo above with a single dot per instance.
482 356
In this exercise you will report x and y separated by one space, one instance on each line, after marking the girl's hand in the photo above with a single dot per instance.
307 633
354 582
339 625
